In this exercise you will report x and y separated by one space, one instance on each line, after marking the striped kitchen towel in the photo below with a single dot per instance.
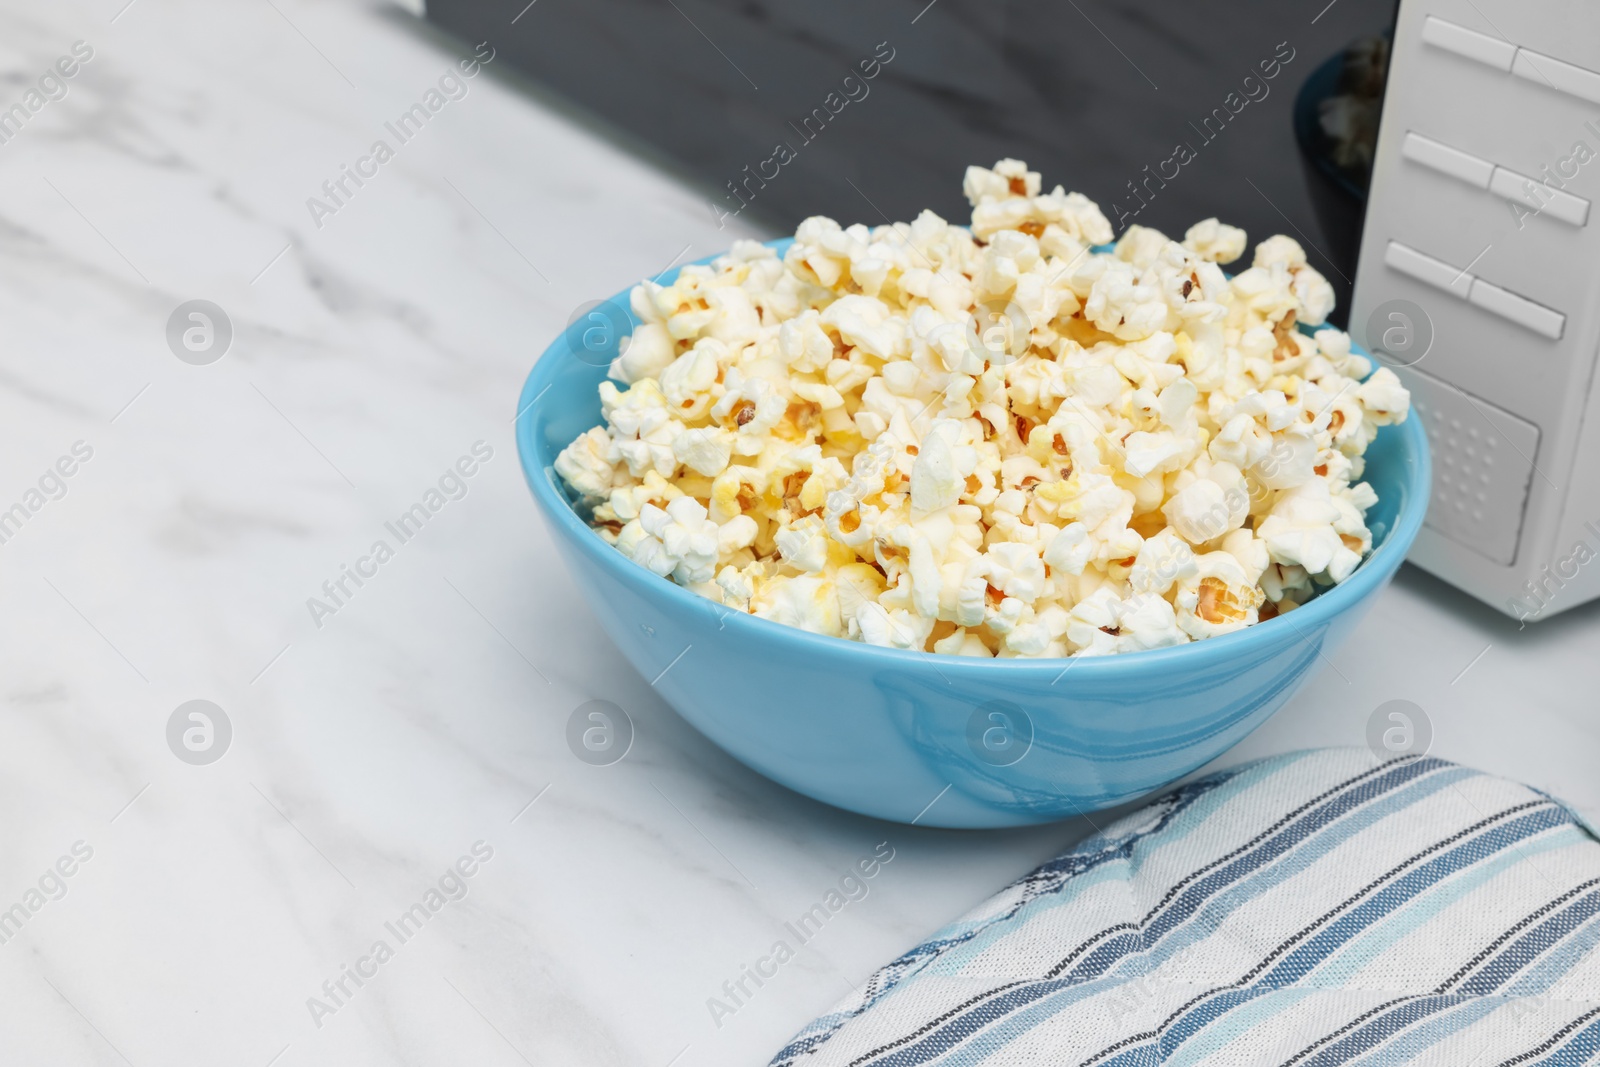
1312 909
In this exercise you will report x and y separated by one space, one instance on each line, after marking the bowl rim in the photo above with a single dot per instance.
1211 652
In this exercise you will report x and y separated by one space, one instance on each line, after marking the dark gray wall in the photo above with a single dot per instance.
1090 92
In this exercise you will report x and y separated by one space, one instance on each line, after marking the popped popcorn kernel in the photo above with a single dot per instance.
991 440
1215 241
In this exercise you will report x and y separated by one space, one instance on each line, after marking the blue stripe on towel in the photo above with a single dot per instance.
1114 947
1303 960
1104 956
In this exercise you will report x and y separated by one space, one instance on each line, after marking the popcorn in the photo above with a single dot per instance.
585 464
704 450
1299 528
1124 303
1070 550
806 603
679 540
991 441
1311 290
649 351
1146 621
1383 399
750 408
1016 570
941 469
803 545
1210 506
1217 598
1215 241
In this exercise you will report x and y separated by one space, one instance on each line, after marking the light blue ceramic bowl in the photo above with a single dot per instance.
898 734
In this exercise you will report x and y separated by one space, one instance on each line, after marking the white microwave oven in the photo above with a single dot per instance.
1478 278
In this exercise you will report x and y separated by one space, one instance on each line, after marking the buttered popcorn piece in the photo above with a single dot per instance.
991 440
1216 241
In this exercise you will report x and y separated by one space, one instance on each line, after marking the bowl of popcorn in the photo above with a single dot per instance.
976 525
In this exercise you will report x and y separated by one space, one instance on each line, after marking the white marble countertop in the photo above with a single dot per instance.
428 713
